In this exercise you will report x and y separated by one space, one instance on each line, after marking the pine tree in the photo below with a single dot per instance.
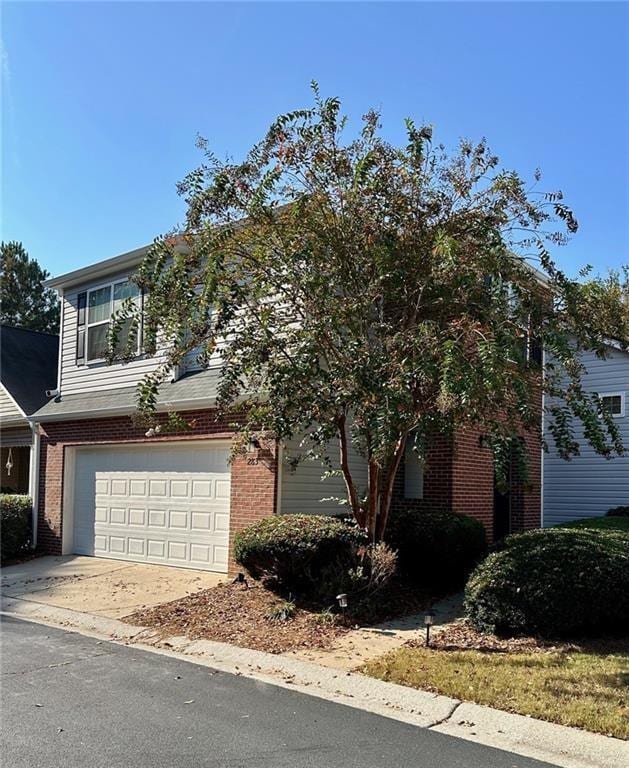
25 302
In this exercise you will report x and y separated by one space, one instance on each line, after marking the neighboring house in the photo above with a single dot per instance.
28 367
111 489
589 484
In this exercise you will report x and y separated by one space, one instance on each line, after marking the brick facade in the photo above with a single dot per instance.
459 476
253 477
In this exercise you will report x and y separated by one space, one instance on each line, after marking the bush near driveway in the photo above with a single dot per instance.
15 525
307 554
436 548
553 582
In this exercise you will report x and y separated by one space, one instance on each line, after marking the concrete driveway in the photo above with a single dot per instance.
94 585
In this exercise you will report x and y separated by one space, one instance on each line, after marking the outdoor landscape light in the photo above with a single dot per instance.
429 620
342 600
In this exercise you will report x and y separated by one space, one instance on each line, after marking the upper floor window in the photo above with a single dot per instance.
102 302
614 403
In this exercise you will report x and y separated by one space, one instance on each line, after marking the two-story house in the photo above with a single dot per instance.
108 488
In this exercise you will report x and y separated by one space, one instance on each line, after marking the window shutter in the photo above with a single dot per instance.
81 317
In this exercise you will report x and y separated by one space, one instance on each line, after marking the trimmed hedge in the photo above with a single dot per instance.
298 552
618 523
554 582
618 511
15 525
436 548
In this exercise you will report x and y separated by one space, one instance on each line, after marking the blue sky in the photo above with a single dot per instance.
102 103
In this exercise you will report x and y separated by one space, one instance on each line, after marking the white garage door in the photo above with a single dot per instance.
154 504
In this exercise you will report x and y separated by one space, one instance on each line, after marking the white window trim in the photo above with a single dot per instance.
621 395
88 325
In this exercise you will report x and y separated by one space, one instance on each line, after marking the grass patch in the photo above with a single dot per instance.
585 688
600 523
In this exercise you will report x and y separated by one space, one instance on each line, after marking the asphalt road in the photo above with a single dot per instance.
73 702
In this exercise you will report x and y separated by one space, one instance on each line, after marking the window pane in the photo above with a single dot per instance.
97 341
413 474
124 291
99 305
123 338
613 404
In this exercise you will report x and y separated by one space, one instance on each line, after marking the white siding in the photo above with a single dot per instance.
95 377
100 376
588 485
9 412
302 489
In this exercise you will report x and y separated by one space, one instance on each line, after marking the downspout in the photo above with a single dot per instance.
33 480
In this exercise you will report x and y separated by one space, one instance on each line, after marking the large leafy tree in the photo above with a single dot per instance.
362 292
25 303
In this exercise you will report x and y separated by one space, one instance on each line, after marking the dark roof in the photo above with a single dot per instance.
28 365
197 389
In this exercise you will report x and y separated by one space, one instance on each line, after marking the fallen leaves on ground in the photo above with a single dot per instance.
236 614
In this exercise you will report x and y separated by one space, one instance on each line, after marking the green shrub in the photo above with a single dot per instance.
15 524
553 582
618 511
436 548
308 554
600 523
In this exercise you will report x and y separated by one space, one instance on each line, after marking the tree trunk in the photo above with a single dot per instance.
373 499
387 491
354 502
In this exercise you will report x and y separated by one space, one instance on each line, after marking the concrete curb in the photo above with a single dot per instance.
556 744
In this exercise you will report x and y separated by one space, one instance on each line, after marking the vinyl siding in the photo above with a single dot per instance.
9 412
95 377
99 376
303 489
588 485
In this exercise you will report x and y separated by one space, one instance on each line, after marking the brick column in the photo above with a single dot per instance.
253 493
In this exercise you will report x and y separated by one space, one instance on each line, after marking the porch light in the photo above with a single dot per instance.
429 620
9 464
253 445
342 600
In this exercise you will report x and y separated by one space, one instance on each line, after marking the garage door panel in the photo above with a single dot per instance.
128 505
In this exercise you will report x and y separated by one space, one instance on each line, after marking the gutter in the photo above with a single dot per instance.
94 271
105 413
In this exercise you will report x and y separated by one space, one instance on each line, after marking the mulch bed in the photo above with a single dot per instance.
236 614
233 613
461 636
21 559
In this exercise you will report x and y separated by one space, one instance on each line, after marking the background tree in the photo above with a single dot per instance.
24 302
377 294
